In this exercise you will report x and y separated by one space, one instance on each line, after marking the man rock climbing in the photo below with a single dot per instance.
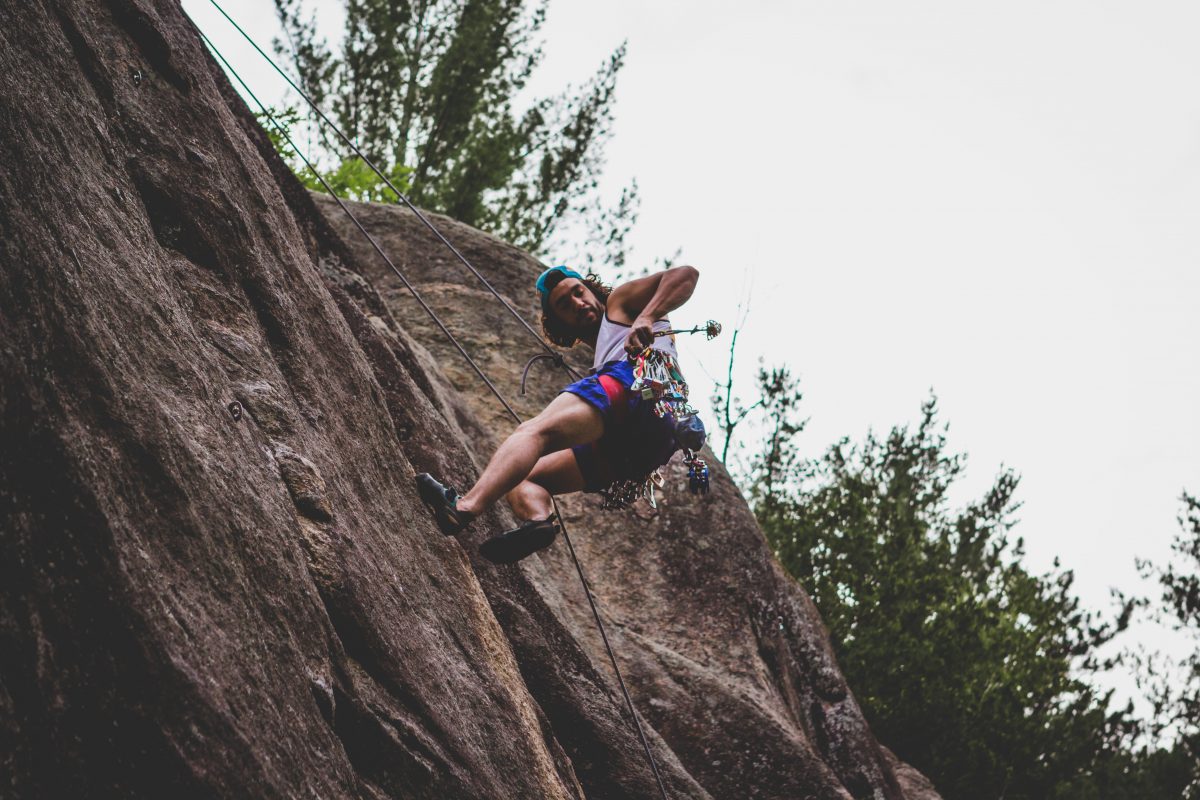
598 434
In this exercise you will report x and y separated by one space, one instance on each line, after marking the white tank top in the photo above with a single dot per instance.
610 341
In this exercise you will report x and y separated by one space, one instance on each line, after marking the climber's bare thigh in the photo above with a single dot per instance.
567 421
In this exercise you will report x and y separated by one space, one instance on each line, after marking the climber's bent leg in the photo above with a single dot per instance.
557 473
567 421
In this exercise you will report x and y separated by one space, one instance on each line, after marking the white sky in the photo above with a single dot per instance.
999 201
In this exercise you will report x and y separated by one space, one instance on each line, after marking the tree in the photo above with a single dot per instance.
730 409
352 177
606 232
969 666
426 89
778 466
1176 691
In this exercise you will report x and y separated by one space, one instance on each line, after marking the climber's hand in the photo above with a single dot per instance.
641 335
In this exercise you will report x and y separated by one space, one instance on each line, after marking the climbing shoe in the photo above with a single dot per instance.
510 547
443 502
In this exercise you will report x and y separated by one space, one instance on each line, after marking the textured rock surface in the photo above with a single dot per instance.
726 656
215 576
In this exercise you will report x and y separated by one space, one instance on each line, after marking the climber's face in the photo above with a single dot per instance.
575 306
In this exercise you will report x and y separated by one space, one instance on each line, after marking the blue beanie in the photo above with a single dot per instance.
551 278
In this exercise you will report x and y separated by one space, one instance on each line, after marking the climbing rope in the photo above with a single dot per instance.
552 353
417 295
437 320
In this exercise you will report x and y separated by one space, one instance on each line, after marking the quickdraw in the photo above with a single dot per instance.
656 377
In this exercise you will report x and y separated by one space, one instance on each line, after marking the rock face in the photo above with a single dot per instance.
215 576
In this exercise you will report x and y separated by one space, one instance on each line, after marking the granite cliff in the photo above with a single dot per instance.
216 578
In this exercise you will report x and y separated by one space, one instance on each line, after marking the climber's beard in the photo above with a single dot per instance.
587 333
586 324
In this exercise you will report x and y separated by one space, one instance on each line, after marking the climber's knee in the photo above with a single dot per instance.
556 473
530 500
539 431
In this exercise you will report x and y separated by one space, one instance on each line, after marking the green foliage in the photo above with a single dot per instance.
354 179
351 178
285 121
1175 689
778 468
970 667
607 233
1141 774
431 84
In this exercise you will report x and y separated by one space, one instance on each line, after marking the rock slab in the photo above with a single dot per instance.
216 578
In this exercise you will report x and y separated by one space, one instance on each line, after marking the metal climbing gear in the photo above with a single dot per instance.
656 377
698 477
710 329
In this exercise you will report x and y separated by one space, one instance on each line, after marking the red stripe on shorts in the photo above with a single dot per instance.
618 396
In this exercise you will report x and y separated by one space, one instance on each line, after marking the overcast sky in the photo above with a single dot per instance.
997 201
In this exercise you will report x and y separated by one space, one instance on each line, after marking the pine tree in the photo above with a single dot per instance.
1175 688
426 88
969 666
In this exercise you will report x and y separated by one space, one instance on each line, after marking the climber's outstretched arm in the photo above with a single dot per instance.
640 302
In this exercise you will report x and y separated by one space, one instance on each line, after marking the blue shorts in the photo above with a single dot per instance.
635 441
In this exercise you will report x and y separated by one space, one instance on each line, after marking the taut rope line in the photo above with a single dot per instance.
433 315
558 357
417 295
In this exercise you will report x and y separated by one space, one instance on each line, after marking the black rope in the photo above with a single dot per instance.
530 363
611 656
417 295
400 195
437 320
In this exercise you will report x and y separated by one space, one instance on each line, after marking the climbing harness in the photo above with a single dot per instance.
656 377
433 315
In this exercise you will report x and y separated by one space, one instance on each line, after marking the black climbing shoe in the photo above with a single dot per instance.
442 501
510 547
